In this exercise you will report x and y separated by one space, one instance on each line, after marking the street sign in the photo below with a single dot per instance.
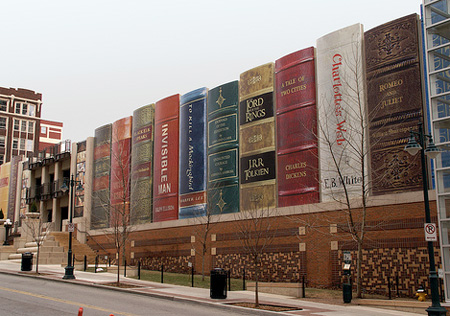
430 232
347 257
70 227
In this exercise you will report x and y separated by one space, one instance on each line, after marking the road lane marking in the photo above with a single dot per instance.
66 302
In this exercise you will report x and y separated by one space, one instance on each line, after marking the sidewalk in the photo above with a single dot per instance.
201 296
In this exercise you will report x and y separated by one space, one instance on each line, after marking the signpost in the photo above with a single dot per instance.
430 232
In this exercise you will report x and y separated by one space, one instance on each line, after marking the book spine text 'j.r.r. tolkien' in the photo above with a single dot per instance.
257 139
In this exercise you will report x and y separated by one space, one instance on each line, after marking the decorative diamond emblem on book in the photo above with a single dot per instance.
221 204
220 99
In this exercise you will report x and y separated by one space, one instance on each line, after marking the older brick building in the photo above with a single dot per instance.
20 112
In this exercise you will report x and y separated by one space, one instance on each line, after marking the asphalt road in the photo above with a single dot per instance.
36 297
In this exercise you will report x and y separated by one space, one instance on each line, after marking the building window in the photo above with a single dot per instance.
29 145
2 159
16 125
24 126
2 122
22 144
15 143
43 130
25 108
3 105
2 141
31 110
30 127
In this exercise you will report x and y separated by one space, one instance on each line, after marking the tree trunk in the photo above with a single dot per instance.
358 270
203 263
37 258
256 282
118 266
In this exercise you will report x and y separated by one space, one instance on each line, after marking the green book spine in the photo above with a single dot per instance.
223 149
142 165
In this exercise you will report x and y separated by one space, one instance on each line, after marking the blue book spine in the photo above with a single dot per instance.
192 159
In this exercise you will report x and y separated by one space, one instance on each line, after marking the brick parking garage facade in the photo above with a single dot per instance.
308 242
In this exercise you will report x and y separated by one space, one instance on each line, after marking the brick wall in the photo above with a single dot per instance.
309 244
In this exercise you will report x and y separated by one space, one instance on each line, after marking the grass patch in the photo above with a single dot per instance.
92 269
185 279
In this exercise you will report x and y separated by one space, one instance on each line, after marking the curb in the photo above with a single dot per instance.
223 306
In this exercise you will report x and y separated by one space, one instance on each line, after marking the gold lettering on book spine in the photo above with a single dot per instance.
143 153
259 137
256 79
259 197
143 117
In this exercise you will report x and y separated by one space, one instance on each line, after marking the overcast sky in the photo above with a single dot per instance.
96 61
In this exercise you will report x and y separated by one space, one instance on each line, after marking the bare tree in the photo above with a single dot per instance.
203 227
343 136
256 232
36 230
115 206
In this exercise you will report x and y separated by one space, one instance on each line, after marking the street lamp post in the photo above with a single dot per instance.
7 226
68 275
432 152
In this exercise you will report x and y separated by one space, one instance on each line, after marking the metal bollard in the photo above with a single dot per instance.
303 287
139 270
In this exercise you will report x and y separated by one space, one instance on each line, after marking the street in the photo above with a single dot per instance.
30 296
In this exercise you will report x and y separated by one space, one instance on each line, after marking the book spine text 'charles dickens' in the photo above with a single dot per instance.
101 177
165 169
257 139
223 149
395 103
297 153
142 165
193 153
120 172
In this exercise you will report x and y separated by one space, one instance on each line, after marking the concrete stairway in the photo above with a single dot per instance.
50 251
78 249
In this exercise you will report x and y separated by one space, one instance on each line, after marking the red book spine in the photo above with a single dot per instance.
120 171
165 190
296 129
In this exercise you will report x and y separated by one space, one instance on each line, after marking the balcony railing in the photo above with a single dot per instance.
50 154
45 191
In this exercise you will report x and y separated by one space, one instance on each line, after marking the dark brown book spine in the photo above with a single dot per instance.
395 103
